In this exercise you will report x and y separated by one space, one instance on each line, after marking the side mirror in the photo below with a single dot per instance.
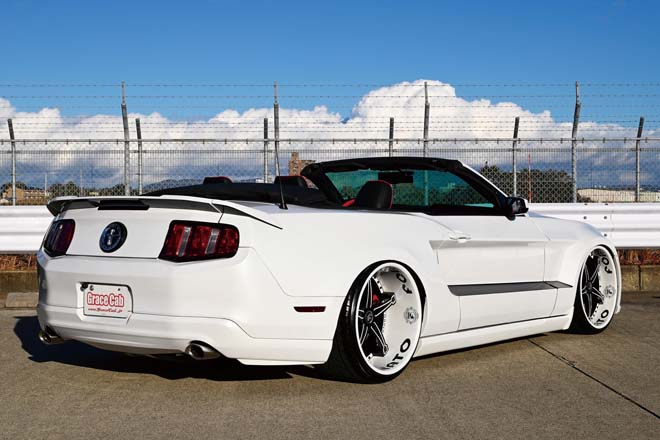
515 206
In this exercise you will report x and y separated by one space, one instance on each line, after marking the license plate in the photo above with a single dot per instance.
106 300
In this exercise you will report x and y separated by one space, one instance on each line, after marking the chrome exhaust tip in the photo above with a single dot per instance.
49 337
201 351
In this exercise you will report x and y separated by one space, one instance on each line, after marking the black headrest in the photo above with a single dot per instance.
291 181
218 179
375 194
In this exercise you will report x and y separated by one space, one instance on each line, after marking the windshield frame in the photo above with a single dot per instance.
317 173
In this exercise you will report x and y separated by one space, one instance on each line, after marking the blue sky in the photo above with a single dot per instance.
381 42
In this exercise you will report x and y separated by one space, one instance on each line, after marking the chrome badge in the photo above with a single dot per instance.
112 237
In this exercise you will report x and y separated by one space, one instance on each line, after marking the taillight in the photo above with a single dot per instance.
189 241
59 237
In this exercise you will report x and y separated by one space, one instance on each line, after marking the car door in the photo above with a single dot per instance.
495 266
493 261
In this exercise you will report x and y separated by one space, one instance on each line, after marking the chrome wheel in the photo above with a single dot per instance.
598 288
388 319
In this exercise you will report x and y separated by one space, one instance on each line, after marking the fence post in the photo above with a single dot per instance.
576 122
638 158
265 150
427 108
513 154
391 149
127 150
10 125
138 132
276 131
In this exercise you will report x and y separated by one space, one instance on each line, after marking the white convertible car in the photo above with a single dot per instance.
359 264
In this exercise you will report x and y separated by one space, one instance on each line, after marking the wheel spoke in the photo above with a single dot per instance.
360 315
382 307
594 275
370 294
598 294
364 333
379 335
589 311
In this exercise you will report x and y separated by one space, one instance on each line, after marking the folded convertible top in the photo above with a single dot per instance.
253 192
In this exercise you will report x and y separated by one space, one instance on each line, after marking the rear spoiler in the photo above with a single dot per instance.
144 203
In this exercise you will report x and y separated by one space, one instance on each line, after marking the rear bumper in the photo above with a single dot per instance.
154 334
234 305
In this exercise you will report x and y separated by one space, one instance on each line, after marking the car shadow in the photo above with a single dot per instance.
83 355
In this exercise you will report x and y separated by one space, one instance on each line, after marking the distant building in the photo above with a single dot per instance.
25 196
599 195
296 164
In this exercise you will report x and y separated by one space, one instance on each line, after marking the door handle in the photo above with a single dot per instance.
460 237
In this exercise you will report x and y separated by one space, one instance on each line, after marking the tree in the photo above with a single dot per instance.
66 189
547 186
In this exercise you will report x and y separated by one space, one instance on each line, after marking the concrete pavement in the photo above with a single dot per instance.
549 386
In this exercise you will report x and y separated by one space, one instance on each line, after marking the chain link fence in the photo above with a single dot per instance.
606 170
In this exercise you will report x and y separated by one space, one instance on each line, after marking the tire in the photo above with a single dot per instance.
379 325
596 296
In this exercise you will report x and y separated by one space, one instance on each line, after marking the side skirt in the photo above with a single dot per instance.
488 335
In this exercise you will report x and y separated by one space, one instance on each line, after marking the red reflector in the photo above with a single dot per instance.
309 309
188 241
59 237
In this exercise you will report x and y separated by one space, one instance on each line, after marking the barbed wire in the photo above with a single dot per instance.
601 117
247 121
282 97
319 85
555 117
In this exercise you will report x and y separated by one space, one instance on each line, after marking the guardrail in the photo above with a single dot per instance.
628 225
22 228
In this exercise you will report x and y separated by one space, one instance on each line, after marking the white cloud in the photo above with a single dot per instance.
451 117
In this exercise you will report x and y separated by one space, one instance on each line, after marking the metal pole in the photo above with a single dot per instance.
276 117
638 158
127 150
276 131
10 124
513 153
138 131
391 149
427 108
574 132
265 150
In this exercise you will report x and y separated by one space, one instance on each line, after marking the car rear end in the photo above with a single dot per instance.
180 274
